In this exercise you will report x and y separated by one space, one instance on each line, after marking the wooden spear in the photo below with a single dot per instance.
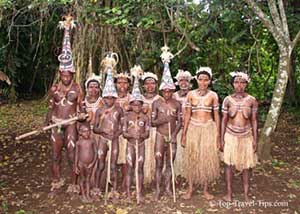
108 171
63 122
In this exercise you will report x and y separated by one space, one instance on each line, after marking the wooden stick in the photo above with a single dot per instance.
63 122
137 171
171 159
108 172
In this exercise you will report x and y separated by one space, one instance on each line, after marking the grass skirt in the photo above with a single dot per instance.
122 150
149 165
238 151
201 162
178 162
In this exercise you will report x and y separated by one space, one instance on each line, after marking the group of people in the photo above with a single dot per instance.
149 135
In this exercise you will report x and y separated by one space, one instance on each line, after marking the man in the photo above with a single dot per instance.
122 84
239 132
183 79
107 126
150 85
166 117
64 100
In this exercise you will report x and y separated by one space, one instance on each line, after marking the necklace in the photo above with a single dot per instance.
94 104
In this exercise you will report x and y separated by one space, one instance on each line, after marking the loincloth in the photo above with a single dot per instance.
238 151
201 161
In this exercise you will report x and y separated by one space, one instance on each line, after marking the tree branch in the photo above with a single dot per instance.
296 39
284 20
275 15
278 35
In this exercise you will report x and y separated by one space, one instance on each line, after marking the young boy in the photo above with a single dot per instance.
135 130
85 158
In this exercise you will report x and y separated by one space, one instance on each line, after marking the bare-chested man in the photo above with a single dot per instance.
107 125
166 117
183 79
150 86
122 84
239 132
65 98
200 135
136 130
85 159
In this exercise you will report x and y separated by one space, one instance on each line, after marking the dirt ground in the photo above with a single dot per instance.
25 175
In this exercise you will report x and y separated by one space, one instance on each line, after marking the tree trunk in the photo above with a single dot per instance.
265 143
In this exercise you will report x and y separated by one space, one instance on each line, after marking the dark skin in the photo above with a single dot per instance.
203 83
64 99
136 129
239 119
122 85
184 86
85 158
93 93
166 117
108 127
150 86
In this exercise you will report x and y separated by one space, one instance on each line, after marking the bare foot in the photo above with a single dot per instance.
227 198
187 195
128 198
95 192
52 194
84 199
90 200
247 198
141 199
208 196
169 192
157 195
116 195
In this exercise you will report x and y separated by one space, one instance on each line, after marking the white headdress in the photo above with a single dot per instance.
149 75
206 69
109 88
183 75
166 81
240 74
65 58
95 78
137 73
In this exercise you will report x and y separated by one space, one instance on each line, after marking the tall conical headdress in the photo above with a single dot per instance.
137 73
65 58
109 88
166 81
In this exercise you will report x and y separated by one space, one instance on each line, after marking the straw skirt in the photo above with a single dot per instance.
178 162
238 151
149 165
201 162
122 150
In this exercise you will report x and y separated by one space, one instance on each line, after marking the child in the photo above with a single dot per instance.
135 130
85 157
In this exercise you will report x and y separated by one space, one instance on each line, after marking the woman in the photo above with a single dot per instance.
200 135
